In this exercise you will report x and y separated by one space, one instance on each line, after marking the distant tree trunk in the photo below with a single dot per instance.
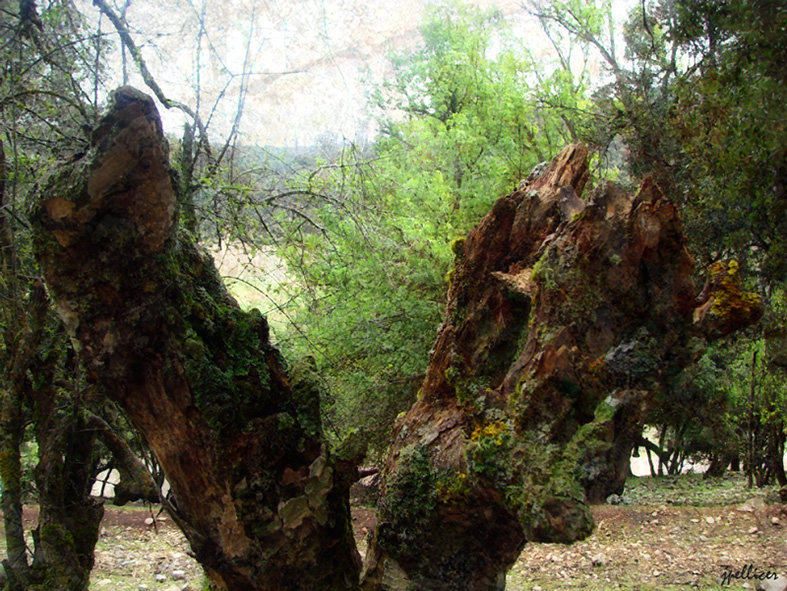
12 424
563 317
777 452
135 481
260 498
752 427
68 519
719 462
664 456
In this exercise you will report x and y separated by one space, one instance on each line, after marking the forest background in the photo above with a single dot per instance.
360 229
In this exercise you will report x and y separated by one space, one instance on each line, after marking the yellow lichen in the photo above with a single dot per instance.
597 366
495 431
730 298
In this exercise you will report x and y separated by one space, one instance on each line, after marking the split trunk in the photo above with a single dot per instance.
261 500
564 317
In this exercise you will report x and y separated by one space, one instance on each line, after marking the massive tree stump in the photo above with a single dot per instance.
261 500
564 316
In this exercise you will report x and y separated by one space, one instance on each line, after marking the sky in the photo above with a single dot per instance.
312 62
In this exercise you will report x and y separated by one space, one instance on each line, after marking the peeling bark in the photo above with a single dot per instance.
260 499
564 316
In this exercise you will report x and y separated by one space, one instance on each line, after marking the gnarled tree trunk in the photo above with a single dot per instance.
563 317
261 500
68 523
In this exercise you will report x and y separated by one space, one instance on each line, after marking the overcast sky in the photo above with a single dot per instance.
312 61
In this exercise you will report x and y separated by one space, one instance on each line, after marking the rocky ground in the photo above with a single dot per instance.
666 533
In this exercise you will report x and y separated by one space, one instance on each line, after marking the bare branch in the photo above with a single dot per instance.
150 81
142 485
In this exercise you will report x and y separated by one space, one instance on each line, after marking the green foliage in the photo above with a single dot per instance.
462 123
728 119
730 406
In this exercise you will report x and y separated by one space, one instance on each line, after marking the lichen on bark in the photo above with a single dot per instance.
258 494
564 316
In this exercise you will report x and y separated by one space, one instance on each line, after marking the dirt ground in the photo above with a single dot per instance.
680 533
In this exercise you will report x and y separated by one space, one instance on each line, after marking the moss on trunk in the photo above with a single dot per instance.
564 316
257 493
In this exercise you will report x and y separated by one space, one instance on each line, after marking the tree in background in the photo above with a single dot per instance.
51 77
692 100
49 69
724 118
463 121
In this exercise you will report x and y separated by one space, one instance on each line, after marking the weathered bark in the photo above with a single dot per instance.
563 317
17 344
260 499
68 519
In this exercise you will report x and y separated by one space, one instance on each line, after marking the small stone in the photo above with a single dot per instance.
752 505
775 520
104 582
777 584
709 520
160 578
149 521
600 560
753 530
143 587
178 575
695 520
537 588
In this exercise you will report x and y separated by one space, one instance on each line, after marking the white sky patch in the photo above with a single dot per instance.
311 62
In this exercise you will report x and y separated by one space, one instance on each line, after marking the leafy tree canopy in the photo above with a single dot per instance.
463 121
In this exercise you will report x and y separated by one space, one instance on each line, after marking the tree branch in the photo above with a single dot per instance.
147 77
142 485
